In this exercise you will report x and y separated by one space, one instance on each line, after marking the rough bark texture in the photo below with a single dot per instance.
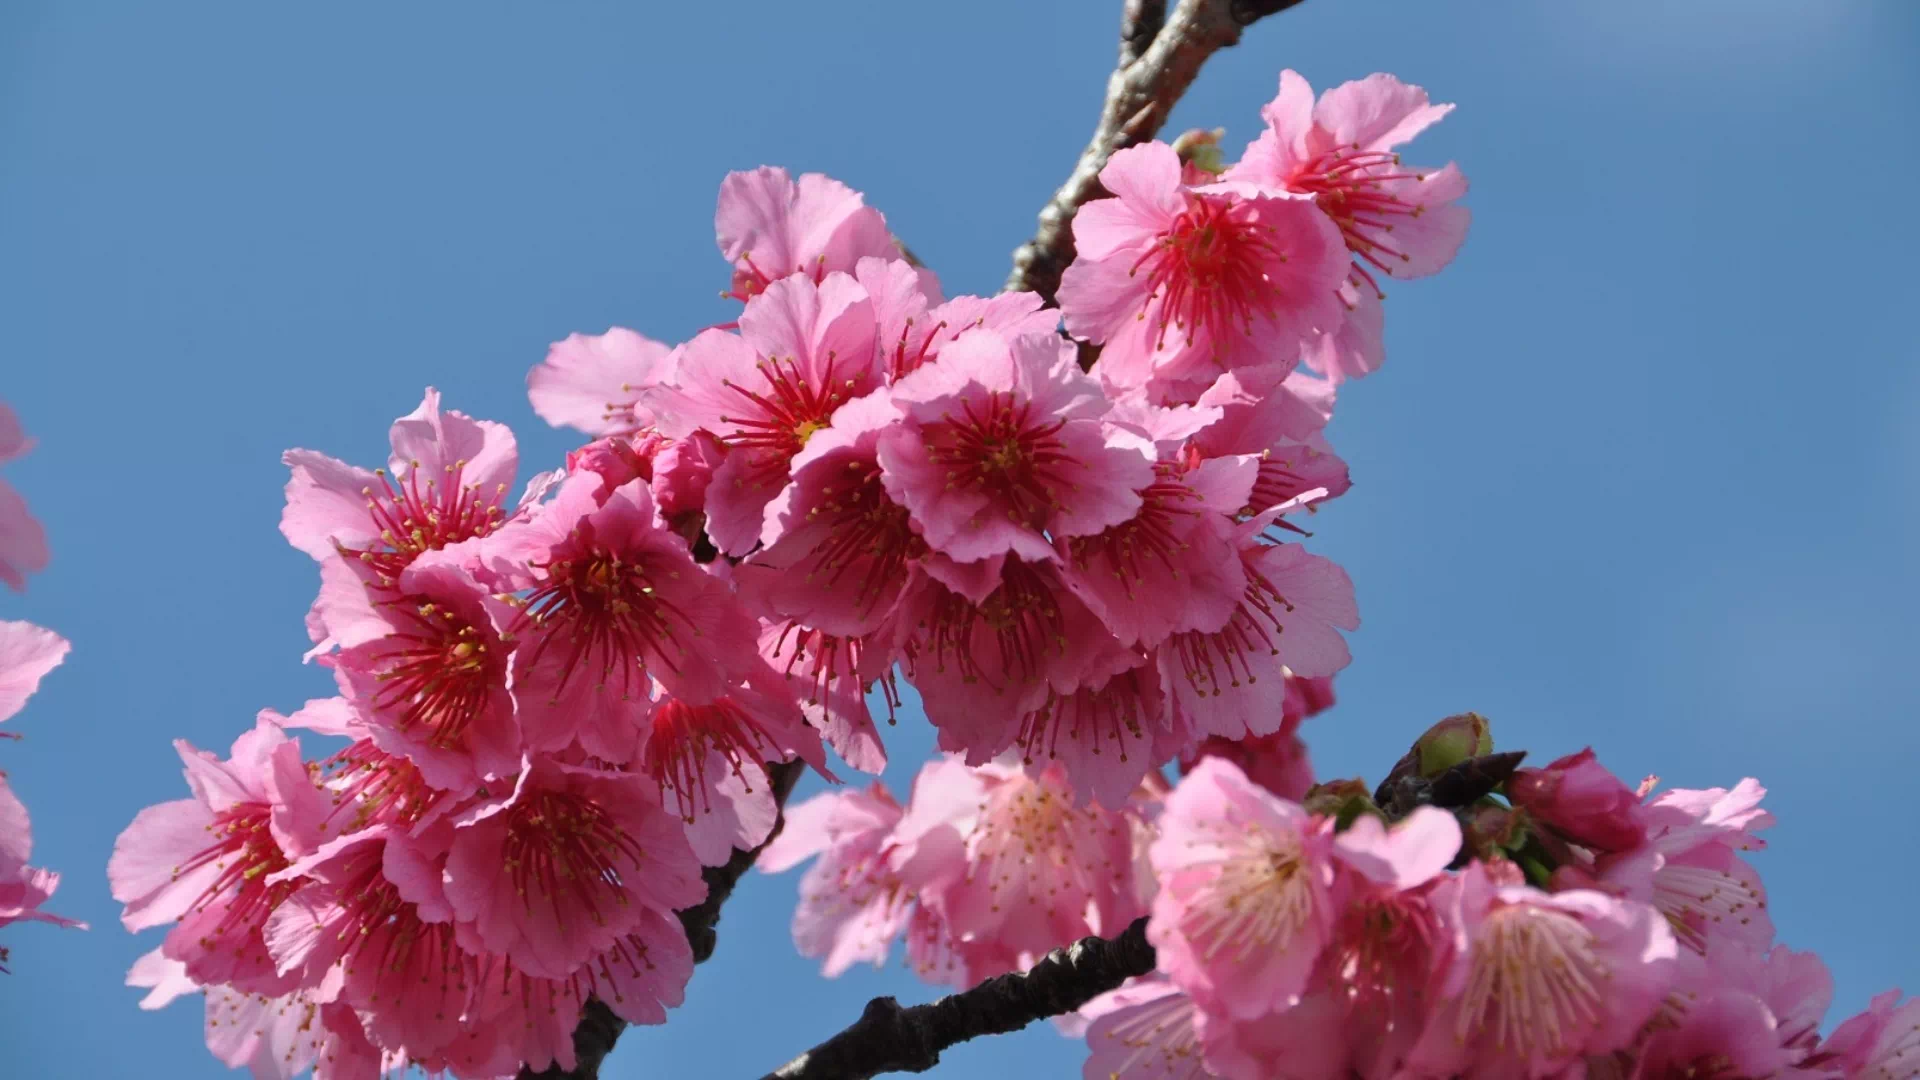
889 1038
1160 54
599 1028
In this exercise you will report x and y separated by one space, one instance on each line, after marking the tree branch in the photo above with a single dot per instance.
888 1038
1160 55
599 1028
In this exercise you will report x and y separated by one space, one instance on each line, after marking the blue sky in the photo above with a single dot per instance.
1642 470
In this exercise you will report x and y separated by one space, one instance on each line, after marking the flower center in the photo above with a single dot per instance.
1161 1036
1352 187
1695 898
383 935
1259 899
1011 630
1100 720
561 845
865 530
1536 985
998 447
1223 660
785 411
413 517
604 616
1157 534
439 671
241 847
1208 270
375 786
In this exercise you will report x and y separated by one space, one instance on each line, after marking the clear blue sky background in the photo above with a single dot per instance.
1643 469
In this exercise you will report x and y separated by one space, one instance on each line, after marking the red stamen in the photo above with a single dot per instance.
412 520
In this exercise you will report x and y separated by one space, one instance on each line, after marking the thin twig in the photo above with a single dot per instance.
1159 59
599 1028
889 1038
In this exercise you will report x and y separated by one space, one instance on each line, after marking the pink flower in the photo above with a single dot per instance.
710 761
280 1037
1539 981
1036 872
853 904
613 601
1742 1012
1689 868
1277 762
372 904
1288 623
837 544
914 326
208 863
23 543
1881 1043
1280 422
1105 737
831 676
1246 899
432 685
1396 220
1578 798
1143 1031
1181 283
585 854
444 483
593 382
991 642
1004 452
769 226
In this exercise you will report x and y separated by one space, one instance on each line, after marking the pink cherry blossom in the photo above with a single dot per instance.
1182 283
709 759
853 903
770 225
586 854
1578 798
1104 737
1880 1043
1689 868
593 382
1041 872
208 863
432 685
804 349
1246 899
1397 220
914 326
1277 761
23 543
1288 623
837 545
1280 423
613 600
1539 981
830 676
1004 451
1143 1031
445 482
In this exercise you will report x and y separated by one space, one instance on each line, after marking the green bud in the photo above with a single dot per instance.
1452 741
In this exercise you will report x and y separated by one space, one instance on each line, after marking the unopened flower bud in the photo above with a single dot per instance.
1579 799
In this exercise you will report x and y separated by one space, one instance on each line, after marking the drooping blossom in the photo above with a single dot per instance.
1279 421
1246 900
1180 284
804 349
207 864
709 760
1103 738
853 901
1397 220
1880 1043
585 854
1540 981
445 482
1690 868
1002 451
593 382
830 676
23 542
1578 798
770 226
612 600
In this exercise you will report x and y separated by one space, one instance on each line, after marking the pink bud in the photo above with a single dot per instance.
1578 798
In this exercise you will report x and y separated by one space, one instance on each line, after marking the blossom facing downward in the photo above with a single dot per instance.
593 382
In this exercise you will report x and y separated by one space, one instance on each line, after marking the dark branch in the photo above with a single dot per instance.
1160 54
889 1038
599 1028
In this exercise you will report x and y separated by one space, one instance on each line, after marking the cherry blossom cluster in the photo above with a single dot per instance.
27 654
554 708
